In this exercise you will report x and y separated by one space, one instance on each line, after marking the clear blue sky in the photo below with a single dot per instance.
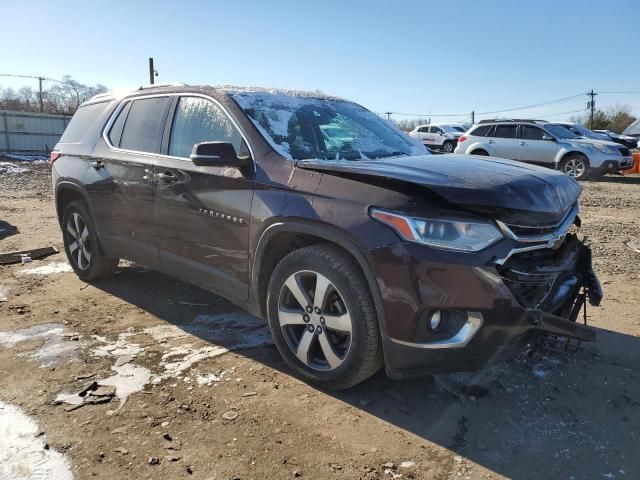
422 56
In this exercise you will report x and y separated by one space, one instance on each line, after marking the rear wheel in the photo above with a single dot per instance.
448 147
322 317
482 153
81 244
576 166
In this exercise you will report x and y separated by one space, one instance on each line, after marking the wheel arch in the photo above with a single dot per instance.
67 192
283 237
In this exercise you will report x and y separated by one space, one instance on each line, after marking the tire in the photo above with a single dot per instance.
81 244
333 358
482 153
575 165
448 147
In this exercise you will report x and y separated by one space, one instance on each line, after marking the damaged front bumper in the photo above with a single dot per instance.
492 310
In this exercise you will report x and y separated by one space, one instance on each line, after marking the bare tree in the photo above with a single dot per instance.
62 98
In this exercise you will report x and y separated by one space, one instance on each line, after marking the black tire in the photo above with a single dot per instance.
448 147
482 153
97 265
575 165
363 357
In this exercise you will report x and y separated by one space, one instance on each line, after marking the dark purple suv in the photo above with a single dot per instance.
357 246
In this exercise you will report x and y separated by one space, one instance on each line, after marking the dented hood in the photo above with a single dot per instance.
506 190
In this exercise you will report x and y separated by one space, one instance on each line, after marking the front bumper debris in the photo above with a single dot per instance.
535 294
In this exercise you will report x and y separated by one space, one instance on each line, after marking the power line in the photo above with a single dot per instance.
532 106
621 93
514 109
562 113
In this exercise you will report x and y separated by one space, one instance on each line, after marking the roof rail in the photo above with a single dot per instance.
507 120
167 84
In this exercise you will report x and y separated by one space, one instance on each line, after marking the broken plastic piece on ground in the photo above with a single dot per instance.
635 246
26 259
6 229
36 253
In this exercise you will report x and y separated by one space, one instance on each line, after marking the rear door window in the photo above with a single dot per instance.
506 131
531 133
199 120
142 131
83 119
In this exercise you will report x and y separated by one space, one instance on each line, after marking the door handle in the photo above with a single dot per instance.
491 142
524 144
166 177
97 164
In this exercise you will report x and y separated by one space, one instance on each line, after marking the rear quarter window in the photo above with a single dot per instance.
481 131
84 117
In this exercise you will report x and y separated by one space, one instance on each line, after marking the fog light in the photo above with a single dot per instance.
435 320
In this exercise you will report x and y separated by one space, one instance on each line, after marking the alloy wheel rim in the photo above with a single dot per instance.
79 241
448 148
315 320
574 167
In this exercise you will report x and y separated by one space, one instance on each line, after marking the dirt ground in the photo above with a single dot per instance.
202 393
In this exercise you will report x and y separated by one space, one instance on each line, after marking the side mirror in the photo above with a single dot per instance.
548 137
216 154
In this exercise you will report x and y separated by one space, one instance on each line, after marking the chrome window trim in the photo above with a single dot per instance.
459 340
134 97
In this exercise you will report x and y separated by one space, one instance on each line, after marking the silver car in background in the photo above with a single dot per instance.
546 144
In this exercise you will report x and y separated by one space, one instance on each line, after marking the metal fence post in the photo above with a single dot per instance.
6 131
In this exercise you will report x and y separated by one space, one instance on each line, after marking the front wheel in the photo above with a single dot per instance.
81 244
322 317
576 166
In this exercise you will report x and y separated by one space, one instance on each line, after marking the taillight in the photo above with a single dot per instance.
53 156
462 139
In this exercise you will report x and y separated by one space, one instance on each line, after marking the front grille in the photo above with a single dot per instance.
624 151
521 231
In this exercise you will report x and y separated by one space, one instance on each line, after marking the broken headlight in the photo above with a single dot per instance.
465 236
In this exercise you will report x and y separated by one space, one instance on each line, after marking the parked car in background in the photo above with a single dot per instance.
545 144
583 131
438 136
360 252
633 130
626 140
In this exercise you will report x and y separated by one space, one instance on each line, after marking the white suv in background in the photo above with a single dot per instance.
439 136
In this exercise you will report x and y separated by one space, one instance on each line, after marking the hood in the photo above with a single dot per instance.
593 141
502 189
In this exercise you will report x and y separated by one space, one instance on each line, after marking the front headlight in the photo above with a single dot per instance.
603 148
464 236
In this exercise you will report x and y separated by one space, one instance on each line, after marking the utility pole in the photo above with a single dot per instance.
473 117
152 72
40 80
592 106
388 114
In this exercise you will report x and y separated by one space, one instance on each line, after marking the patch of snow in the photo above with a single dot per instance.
55 348
128 379
4 293
209 378
9 168
28 158
50 268
22 452
120 348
